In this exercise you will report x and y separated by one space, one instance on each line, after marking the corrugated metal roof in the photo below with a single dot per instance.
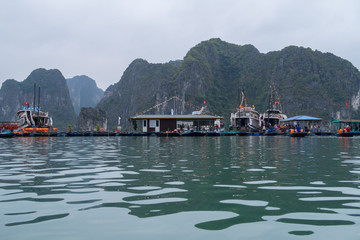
301 118
182 117
346 121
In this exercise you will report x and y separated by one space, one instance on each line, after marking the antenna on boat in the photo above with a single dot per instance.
34 94
175 103
39 98
243 98
39 102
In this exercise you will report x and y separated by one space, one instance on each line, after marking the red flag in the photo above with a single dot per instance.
204 102
26 103
347 104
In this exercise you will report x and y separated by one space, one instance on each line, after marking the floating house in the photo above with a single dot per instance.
163 123
353 124
304 121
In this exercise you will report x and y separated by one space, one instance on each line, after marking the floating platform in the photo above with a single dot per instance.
9 134
298 134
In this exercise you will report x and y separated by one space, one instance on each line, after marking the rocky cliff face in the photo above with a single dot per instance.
315 83
141 86
90 119
54 97
308 82
84 92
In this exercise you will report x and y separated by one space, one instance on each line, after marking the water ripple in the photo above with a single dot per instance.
213 187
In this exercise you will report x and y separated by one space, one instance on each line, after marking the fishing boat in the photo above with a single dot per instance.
213 134
345 128
345 134
7 134
193 134
32 120
273 114
228 133
271 133
298 134
246 118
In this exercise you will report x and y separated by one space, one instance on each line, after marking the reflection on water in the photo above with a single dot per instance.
133 186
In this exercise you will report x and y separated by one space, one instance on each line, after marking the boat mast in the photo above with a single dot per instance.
39 104
243 98
34 94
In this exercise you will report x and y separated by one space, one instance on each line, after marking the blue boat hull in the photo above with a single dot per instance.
7 135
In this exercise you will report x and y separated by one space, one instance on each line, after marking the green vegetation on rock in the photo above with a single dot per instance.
308 82
54 97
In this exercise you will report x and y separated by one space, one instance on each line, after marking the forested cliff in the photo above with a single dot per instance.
54 97
308 82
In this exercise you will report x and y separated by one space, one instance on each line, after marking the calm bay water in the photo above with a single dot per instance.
180 188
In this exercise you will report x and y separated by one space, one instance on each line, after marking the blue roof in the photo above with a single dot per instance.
302 118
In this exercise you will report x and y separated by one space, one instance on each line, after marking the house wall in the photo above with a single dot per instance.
167 125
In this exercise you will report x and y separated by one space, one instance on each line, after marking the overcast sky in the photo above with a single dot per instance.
101 38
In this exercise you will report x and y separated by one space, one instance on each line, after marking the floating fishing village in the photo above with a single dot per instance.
245 121
199 120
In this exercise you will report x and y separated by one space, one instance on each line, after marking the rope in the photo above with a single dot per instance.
167 100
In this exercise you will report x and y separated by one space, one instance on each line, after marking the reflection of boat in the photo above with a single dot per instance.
245 118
